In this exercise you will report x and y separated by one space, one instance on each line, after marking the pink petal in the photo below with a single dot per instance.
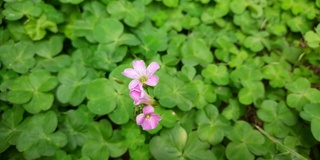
135 94
155 117
148 110
147 125
140 119
130 73
152 81
134 83
153 67
140 67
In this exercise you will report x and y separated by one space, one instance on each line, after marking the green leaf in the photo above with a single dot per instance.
187 73
197 149
246 142
169 144
175 93
18 56
106 96
168 117
75 125
49 48
170 3
216 73
36 28
74 81
300 89
311 112
40 139
101 95
246 22
313 39
211 126
16 10
152 39
206 94
9 127
174 143
277 75
71 1
34 89
299 24
251 92
214 14
237 7
107 55
132 12
277 117
108 30
102 143
195 51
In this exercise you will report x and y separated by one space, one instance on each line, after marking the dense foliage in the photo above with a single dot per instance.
238 79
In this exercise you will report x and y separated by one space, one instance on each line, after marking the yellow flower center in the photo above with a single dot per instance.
147 116
143 79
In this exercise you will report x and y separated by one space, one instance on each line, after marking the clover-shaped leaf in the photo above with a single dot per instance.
107 55
40 138
74 81
175 143
277 117
213 14
195 51
206 94
299 24
301 93
251 92
233 110
18 56
311 112
170 3
103 96
102 143
133 136
10 127
246 22
108 30
17 9
152 39
245 142
313 38
216 73
169 117
132 12
211 126
175 92
277 75
34 90
48 49
37 28
107 97
75 126
257 42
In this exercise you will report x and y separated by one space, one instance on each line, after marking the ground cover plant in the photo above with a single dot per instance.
227 79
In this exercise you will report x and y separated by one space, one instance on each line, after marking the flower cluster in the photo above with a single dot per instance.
142 77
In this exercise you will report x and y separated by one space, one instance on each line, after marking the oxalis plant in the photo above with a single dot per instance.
159 79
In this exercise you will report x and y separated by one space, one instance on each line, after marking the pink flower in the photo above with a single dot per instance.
140 96
148 119
140 74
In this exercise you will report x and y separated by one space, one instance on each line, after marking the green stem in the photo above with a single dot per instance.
279 143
